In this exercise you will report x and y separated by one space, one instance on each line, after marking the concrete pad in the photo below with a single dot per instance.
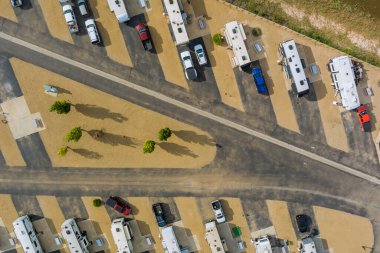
166 50
9 148
5 239
26 126
110 32
139 240
55 21
100 216
225 233
15 108
191 219
193 29
343 232
147 221
235 216
279 214
184 238
46 236
6 11
93 233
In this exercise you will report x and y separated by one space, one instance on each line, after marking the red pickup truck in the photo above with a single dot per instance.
144 36
364 118
119 205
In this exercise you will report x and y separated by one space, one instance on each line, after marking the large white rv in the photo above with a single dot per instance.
76 241
26 235
118 7
122 235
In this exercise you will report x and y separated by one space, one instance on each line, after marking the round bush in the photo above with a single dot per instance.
97 202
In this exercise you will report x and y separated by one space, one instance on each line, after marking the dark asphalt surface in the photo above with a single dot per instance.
244 166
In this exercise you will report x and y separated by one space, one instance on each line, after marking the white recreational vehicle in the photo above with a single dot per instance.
118 7
122 235
26 235
76 241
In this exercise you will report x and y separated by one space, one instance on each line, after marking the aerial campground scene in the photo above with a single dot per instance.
189 126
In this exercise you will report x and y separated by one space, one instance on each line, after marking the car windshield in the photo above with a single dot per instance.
199 51
67 12
142 30
186 58
200 55
363 113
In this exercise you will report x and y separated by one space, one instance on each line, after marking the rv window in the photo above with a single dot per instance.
35 244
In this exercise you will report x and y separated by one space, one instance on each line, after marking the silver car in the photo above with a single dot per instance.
201 56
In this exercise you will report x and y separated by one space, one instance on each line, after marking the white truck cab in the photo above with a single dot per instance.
118 7
92 31
71 21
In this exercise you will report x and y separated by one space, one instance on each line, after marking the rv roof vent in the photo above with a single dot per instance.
180 30
291 47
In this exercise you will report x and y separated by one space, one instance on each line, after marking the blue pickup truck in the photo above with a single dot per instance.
158 212
259 81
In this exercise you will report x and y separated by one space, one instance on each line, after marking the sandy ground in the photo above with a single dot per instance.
56 23
6 11
218 57
110 32
164 45
142 212
281 220
100 216
236 217
9 148
191 219
343 232
127 126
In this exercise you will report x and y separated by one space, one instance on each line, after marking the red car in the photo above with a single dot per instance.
119 205
144 36
364 119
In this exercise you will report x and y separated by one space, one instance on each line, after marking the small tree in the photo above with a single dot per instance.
217 39
256 31
164 134
97 202
149 146
74 135
62 150
60 107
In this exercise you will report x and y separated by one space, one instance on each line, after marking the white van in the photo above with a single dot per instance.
92 31
82 7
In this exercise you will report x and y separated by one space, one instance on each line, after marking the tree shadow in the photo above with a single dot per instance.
97 112
190 136
176 149
87 153
113 139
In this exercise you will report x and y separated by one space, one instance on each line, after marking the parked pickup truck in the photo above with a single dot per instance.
119 205
259 81
144 36
71 21
158 212
364 118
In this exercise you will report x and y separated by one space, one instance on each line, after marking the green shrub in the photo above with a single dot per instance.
60 107
62 150
256 31
74 135
97 202
217 39
164 134
149 146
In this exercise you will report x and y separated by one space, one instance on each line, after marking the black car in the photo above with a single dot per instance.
302 223
157 210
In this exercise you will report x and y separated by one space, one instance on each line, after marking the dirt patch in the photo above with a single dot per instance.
126 127
56 23
6 11
110 31
343 232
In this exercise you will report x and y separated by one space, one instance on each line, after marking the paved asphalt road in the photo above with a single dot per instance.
249 164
